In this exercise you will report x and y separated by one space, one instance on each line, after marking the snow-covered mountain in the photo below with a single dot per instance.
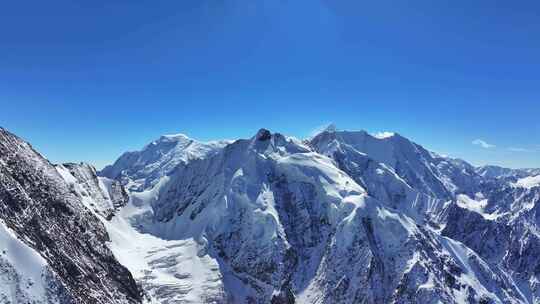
342 217
52 248
500 172
142 169
427 172
345 217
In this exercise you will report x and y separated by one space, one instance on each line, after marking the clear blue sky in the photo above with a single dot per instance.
88 80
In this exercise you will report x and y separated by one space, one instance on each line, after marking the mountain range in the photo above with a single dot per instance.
341 217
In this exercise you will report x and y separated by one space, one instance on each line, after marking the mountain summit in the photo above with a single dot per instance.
343 217
140 170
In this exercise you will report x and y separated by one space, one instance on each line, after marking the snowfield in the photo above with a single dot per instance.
528 182
22 270
341 217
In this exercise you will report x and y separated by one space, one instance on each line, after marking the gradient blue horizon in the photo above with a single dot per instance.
87 81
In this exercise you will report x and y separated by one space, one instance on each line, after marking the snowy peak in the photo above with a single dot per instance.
173 137
142 169
497 172
331 128
256 203
267 143
345 217
288 223
325 128
379 147
263 135
422 170
170 140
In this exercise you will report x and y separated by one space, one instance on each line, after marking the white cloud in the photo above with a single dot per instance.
515 149
483 144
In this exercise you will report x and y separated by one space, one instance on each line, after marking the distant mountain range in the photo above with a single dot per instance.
341 217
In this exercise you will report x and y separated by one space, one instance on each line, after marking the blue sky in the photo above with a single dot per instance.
88 80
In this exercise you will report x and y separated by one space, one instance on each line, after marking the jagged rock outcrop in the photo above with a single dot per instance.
99 194
345 218
38 208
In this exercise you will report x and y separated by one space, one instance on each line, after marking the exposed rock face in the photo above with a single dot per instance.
345 218
99 194
37 205
510 239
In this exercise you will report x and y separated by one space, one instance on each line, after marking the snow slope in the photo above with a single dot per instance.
142 169
427 172
24 275
101 195
53 249
344 218
528 182
169 271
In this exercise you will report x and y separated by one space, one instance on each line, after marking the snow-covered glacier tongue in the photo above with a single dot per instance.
344 217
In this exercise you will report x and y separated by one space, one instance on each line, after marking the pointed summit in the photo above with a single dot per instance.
263 134
327 128
331 128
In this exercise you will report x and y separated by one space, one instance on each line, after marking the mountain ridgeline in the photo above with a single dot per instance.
53 248
342 217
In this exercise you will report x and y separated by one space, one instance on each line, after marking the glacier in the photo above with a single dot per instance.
340 217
